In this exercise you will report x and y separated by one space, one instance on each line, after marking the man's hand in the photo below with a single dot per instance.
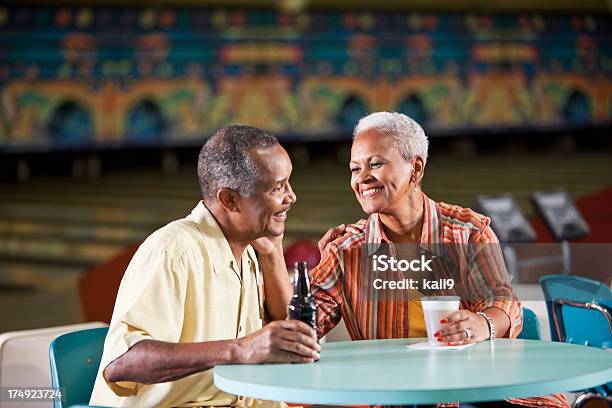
153 361
267 245
282 341
277 287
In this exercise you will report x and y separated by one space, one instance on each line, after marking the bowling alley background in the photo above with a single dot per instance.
103 109
97 76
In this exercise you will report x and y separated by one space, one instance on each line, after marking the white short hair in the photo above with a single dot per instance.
408 136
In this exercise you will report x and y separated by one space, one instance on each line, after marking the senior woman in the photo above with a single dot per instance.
388 158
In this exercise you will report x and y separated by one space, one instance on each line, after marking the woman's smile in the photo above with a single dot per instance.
370 192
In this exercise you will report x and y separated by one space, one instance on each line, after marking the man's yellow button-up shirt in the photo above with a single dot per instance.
183 285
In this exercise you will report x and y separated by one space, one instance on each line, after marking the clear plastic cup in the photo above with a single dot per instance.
436 308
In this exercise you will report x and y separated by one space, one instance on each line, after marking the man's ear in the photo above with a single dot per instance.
418 169
228 199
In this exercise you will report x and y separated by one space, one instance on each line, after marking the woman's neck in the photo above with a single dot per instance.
405 224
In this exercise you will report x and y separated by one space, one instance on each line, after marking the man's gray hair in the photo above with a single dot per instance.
408 136
225 160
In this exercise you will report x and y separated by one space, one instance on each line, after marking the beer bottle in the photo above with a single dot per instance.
302 306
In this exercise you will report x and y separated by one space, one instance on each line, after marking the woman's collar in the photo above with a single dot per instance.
430 234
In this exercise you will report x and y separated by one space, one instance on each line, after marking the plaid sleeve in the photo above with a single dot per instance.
489 280
327 289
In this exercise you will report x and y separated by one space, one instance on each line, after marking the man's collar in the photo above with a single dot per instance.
216 243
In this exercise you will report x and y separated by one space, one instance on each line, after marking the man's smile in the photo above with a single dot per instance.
281 215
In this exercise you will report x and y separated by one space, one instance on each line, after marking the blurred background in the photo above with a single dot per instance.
103 109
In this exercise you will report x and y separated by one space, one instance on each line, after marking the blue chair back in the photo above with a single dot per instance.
580 312
75 359
531 326
576 324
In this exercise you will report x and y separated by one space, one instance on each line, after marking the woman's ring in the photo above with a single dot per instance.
468 334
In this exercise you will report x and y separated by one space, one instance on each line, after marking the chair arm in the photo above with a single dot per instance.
556 313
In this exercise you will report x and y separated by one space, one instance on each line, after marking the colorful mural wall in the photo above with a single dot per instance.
100 77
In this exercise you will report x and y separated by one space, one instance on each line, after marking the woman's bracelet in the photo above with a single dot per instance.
490 323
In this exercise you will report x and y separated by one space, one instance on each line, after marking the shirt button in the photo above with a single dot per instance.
540 403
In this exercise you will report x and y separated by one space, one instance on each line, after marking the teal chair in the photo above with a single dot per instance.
531 326
580 312
75 359
575 323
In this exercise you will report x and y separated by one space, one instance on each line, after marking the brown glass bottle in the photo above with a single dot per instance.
302 305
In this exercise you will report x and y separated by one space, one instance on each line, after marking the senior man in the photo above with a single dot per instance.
192 296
